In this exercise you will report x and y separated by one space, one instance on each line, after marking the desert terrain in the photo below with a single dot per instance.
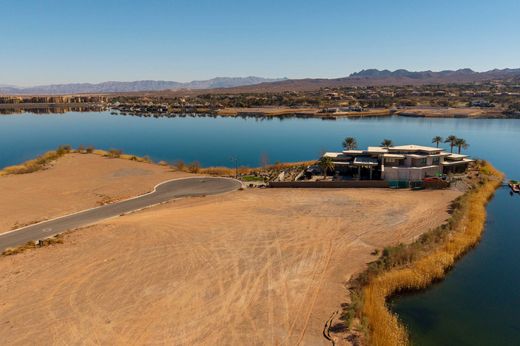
251 267
75 182
452 112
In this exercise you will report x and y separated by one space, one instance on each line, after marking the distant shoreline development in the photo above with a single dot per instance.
447 94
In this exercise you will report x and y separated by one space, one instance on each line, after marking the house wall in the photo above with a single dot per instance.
330 184
407 174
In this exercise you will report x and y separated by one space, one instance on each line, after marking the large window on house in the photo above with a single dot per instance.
436 160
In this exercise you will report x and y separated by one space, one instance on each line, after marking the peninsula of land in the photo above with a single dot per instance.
252 266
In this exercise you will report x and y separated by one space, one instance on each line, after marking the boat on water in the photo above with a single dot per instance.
515 187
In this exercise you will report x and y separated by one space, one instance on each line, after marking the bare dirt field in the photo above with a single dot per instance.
252 267
75 182
448 112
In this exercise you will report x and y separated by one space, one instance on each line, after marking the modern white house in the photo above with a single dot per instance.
398 163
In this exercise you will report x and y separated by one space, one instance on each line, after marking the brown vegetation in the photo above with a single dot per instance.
415 266
57 239
39 163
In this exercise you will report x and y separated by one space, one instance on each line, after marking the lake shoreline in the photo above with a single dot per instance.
288 270
418 265
258 112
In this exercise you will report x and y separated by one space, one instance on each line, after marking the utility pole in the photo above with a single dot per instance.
235 160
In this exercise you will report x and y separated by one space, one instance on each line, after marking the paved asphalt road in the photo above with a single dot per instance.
163 193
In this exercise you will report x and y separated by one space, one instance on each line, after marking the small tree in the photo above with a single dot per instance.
194 167
63 149
326 164
461 144
437 140
451 139
179 164
350 143
114 153
387 143
264 160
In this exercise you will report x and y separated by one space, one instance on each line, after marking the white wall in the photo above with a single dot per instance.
405 174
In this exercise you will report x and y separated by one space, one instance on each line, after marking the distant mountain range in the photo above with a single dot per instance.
373 77
122 87
446 75
370 77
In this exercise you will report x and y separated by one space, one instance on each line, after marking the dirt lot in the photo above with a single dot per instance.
251 267
75 182
448 112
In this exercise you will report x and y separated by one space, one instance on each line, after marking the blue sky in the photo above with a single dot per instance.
57 41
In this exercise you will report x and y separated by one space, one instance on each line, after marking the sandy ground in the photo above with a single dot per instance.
252 267
75 182
464 112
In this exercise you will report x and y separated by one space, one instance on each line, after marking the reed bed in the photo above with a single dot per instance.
43 161
39 163
415 266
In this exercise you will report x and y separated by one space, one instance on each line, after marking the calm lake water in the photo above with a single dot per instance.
477 304
479 301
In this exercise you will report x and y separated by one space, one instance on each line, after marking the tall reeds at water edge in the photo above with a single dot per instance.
38 163
417 265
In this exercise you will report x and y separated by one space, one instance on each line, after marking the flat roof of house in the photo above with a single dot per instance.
388 152
456 156
394 156
412 147
379 150
451 163
362 160
332 154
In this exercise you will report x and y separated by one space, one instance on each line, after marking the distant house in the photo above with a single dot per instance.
343 109
399 163
481 103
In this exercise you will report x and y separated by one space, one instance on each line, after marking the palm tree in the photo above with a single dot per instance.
437 140
387 143
451 139
461 144
326 164
350 143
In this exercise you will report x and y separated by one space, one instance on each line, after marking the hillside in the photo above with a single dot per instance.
136 86
228 85
364 78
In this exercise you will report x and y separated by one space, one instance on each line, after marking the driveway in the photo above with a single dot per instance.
162 193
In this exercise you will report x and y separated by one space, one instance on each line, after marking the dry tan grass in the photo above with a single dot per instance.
255 267
39 163
227 171
57 239
383 326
